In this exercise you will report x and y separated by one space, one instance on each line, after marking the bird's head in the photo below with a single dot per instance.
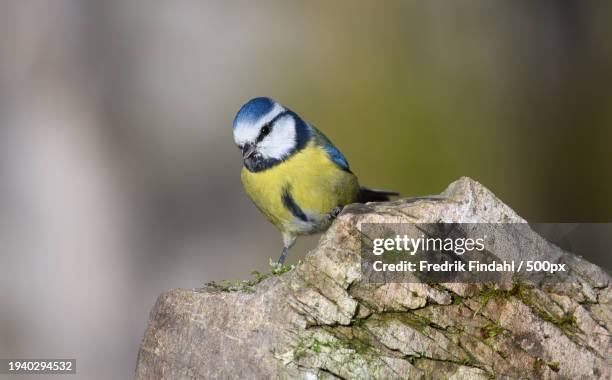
268 133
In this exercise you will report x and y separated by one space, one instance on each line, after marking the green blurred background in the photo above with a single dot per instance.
118 174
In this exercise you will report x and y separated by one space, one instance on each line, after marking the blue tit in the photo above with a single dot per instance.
295 176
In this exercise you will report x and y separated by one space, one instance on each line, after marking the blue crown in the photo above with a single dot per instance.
253 110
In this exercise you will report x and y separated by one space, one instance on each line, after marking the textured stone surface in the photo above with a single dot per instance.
321 321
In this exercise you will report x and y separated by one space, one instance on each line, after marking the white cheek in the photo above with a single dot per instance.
281 141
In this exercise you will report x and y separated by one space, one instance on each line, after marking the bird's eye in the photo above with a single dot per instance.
265 130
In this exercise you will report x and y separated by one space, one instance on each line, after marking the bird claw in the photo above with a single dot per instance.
334 213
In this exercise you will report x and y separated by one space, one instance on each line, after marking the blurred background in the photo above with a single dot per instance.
118 174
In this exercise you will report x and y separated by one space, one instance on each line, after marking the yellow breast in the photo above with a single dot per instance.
314 182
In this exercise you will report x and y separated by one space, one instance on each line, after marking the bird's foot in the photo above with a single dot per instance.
333 213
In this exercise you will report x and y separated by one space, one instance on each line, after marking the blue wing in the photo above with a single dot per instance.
334 154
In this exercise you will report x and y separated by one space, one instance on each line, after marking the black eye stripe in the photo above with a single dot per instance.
267 128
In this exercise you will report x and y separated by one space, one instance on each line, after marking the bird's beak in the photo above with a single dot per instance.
248 150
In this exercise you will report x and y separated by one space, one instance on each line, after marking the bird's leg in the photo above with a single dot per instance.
283 255
288 241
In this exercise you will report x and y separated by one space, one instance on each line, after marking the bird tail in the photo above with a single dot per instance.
373 195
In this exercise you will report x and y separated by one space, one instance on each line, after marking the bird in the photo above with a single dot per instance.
292 172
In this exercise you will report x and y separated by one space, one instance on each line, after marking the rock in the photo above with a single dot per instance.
322 320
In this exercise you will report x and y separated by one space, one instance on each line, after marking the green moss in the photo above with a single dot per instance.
492 330
428 363
496 294
437 286
358 322
469 359
554 366
466 362
567 321
277 269
417 322
248 286
243 286
359 346
355 339
503 354
518 290
538 363
300 350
